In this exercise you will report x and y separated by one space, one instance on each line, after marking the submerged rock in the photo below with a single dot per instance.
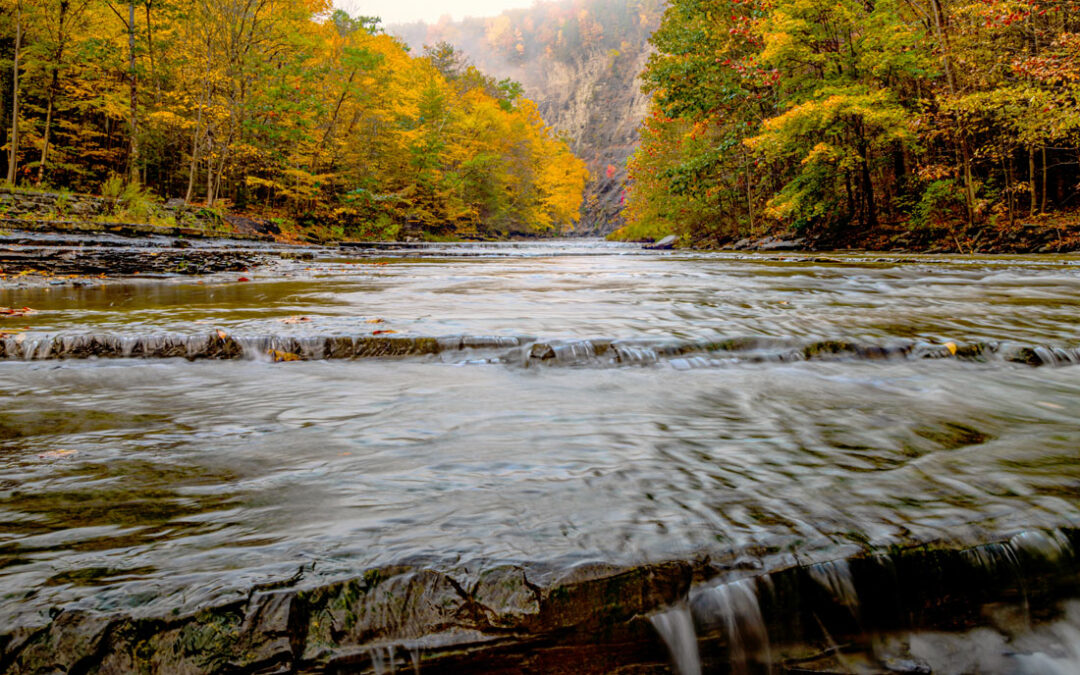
665 244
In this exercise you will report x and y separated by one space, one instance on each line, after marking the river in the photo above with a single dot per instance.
584 403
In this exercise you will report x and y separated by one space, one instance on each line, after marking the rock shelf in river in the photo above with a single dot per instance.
515 350
594 619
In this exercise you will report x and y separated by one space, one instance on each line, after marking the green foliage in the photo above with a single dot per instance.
941 201
834 116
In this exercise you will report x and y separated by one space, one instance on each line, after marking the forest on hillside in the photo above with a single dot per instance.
282 108
842 118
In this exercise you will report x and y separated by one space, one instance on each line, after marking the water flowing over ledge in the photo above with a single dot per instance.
518 350
815 617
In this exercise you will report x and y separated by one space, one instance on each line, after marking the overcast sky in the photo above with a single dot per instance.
402 11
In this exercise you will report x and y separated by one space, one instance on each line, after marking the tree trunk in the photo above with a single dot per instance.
1042 209
133 157
1031 179
13 155
203 102
3 130
54 87
965 152
1006 169
869 210
749 188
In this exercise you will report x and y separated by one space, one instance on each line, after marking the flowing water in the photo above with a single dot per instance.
549 404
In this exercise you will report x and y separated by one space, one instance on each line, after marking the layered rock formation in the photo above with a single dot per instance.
580 61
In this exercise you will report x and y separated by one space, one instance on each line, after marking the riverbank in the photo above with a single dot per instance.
86 254
1058 233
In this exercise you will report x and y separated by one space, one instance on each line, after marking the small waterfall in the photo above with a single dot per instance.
734 608
631 355
579 351
381 665
1051 547
571 352
835 577
676 627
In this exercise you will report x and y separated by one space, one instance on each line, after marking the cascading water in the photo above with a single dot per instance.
676 627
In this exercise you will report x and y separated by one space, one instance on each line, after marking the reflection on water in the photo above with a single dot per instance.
153 483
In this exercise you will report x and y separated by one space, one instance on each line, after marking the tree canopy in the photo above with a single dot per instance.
278 106
833 116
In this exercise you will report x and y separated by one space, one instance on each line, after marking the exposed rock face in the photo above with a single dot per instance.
404 616
599 105
590 619
580 61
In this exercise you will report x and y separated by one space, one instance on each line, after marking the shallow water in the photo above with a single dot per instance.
151 484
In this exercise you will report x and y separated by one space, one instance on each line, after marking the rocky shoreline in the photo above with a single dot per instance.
590 619
1045 235
57 255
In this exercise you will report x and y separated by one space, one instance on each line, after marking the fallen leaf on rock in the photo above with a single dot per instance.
951 346
296 319
383 332
280 356
222 334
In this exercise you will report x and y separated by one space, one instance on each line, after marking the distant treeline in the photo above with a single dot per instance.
837 116
277 106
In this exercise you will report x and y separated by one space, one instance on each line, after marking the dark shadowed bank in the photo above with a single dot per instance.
1047 234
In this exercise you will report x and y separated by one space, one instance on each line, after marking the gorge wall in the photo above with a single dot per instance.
579 61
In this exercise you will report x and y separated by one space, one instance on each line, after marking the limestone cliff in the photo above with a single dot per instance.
580 61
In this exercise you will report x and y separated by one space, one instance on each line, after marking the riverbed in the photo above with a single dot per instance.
551 406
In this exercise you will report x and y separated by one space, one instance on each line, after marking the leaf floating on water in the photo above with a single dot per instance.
15 312
376 320
57 454
242 279
384 332
281 357
951 346
295 319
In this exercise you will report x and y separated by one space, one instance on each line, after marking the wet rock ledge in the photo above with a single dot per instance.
525 351
596 619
